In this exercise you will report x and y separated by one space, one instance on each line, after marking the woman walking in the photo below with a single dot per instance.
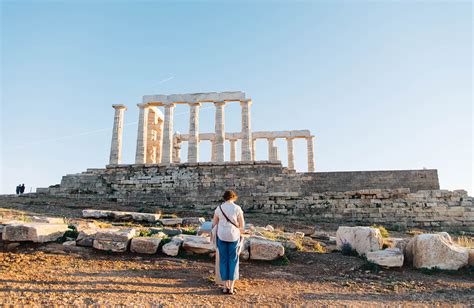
229 219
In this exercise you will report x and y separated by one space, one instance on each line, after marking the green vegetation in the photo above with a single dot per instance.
189 231
283 261
70 234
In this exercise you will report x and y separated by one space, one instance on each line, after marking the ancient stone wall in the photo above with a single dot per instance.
408 198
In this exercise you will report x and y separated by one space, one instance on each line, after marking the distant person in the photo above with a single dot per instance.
18 189
22 188
229 219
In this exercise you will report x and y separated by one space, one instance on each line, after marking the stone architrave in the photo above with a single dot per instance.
193 141
116 145
291 154
140 154
233 146
167 146
220 132
246 140
310 147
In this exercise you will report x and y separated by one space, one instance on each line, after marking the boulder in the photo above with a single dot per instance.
197 244
172 248
261 249
362 239
33 231
171 221
148 245
437 250
390 257
115 240
193 221
86 237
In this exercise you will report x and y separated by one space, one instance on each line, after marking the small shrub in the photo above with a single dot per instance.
347 250
382 230
189 231
145 233
465 241
318 248
72 233
269 235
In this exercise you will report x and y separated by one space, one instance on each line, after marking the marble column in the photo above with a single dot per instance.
177 149
193 142
167 146
271 154
310 146
116 146
254 149
213 150
246 131
276 153
220 132
233 147
291 156
140 153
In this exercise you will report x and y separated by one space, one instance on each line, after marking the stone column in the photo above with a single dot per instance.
271 154
193 141
233 147
310 146
213 149
291 156
254 149
220 132
140 154
276 153
116 146
167 146
177 149
246 131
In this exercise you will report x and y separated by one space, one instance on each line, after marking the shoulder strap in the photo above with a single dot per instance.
228 217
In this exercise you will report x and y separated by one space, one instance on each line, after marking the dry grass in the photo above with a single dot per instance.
465 241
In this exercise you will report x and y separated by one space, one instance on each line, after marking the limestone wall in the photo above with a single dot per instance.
407 197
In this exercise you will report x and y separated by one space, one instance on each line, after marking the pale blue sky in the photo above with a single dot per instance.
382 84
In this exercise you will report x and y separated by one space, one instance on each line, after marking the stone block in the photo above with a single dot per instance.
146 245
261 249
171 221
361 239
390 257
193 221
34 232
115 240
197 244
86 237
172 248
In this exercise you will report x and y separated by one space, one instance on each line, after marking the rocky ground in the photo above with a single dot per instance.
61 275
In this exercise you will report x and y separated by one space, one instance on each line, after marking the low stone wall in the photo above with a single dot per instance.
408 198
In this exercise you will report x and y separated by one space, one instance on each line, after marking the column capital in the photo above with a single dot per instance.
170 105
219 103
143 105
309 137
119 106
194 104
290 138
246 102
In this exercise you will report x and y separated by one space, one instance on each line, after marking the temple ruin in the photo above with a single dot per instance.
157 143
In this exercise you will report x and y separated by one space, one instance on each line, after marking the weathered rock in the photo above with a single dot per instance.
362 239
261 249
171 221
406 247
148 245
245 250
471 257
390 257
86 237
116 240
121 216
197 244
111 246
171 232
193 221
69 243
436 250
34 232
172 248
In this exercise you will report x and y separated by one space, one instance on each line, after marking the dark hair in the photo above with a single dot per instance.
229 194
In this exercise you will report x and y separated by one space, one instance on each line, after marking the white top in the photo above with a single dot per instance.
226 231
